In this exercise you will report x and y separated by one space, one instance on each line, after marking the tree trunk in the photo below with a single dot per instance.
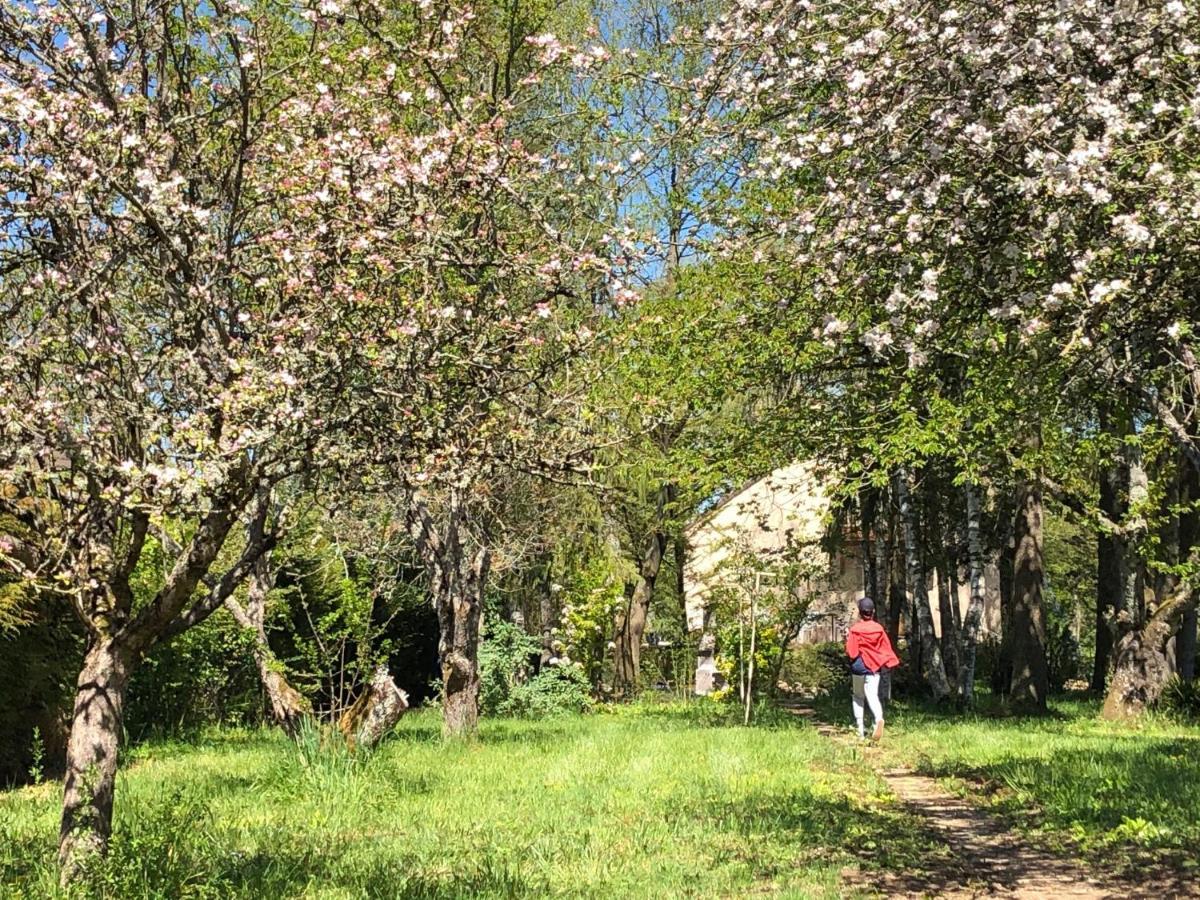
632 616
1189 535
955 565
932 668
1185 646
788 635
1029 685
949 641
457 585
1142 668
898 596
288 705
882 572
975 607
375 713
460 620
92 755
1002 673
1109 594
680 546
869 505
548 616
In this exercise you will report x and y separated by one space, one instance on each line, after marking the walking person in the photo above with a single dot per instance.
871 653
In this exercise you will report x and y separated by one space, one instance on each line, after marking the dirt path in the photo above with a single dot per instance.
985 858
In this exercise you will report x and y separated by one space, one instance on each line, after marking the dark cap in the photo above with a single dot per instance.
866 606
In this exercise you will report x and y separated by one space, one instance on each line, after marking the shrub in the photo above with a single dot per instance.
510 686
205 676
1181 699
36 687
987 659
506 660
815 668
554 691
1062 656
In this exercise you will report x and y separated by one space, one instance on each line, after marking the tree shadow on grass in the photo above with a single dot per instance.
899 852
286 872
1135 800
814 827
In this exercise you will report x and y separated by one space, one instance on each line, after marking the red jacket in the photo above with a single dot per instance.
868 638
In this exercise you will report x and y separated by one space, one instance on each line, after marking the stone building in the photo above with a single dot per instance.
787 514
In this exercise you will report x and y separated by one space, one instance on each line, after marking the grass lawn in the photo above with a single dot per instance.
636 801
643 801
1121 794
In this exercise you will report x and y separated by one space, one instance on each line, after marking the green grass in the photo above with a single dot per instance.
1120 794
645 801
653 800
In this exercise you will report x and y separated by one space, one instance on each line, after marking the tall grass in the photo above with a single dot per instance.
652 800
656 801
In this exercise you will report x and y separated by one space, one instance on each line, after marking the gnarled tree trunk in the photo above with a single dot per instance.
460 619
119 638
288 706
1142 666
457 585
631 617
1030 678
92 754
931 655
374 713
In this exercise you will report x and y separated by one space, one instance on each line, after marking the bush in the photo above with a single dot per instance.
510 686
206 676
506 660
554 691
816 668
1181 699
38 665
987 660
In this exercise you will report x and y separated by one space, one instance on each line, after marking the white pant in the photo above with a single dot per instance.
866 688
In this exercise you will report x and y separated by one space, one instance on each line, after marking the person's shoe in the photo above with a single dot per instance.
878 732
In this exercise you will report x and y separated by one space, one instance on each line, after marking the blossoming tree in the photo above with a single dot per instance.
1009 186
241 242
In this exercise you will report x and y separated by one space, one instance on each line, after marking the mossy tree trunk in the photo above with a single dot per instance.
1142 666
